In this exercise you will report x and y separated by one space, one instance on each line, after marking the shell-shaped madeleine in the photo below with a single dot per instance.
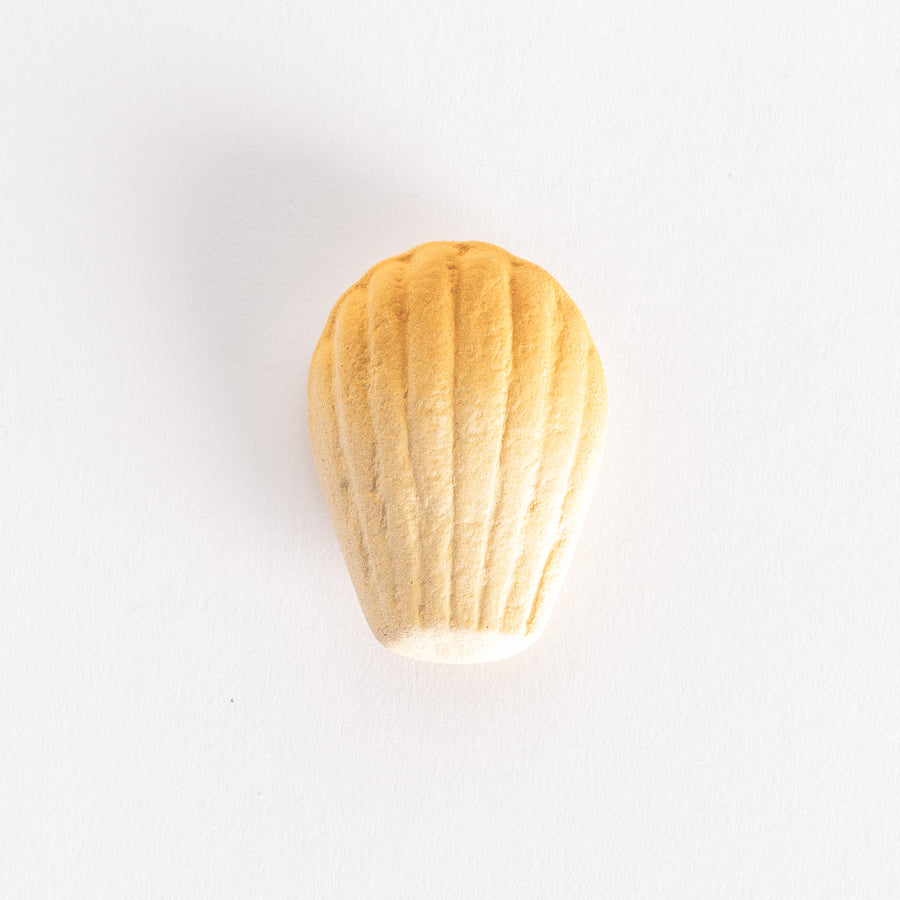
456 409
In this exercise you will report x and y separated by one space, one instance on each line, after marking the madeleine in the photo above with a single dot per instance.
456 410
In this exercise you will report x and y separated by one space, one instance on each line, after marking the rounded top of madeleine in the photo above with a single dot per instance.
414 269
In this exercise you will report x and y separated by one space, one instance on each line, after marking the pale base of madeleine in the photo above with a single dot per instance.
457 645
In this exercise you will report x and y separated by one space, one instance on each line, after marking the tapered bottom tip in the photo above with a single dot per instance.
456 645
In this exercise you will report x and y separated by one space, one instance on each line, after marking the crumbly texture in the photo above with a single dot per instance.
456 409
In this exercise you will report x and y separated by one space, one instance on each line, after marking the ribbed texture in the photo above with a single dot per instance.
456 409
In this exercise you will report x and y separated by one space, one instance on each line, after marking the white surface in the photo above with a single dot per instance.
191 703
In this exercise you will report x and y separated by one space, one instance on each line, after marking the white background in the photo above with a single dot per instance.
191 704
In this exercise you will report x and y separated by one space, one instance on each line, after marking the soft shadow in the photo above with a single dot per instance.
269 235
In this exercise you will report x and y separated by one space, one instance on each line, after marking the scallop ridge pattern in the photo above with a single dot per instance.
456 408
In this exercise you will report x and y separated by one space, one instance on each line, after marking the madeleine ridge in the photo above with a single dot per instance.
456 409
